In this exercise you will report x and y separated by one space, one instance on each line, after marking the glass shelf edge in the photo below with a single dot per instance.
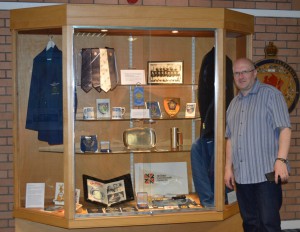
119 150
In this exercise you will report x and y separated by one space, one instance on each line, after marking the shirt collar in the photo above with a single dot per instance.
254 89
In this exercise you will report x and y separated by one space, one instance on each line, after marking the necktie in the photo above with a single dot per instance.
86 70
96 68
104 71
112 68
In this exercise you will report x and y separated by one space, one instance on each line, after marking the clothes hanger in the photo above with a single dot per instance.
50 44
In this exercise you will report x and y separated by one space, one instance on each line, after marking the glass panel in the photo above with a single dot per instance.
232 53
160 175
39 157
151 172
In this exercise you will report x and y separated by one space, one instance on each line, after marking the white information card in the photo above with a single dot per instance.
133 77
35 195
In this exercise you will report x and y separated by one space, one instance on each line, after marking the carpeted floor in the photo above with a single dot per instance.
291 230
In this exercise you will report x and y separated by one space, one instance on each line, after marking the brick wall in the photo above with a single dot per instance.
284 32
6 157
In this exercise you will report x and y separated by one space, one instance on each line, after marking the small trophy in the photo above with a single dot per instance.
172 106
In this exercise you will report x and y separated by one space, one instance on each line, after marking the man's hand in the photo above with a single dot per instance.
280 169
229 178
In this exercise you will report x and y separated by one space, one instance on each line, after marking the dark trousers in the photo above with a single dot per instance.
259 206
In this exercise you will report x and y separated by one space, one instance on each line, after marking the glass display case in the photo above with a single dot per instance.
106 111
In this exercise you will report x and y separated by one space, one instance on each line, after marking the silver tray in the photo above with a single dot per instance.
139 138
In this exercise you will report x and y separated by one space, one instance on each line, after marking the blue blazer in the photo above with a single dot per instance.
45 104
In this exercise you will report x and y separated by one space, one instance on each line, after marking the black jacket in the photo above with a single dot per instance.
206 91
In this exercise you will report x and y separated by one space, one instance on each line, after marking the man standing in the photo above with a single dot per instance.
258 138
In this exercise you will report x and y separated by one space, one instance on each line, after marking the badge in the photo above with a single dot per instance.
172 106
55 89
282 76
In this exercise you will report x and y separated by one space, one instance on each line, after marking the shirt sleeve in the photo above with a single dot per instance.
279 111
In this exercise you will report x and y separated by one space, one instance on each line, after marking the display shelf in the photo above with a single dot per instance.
145 120
119 150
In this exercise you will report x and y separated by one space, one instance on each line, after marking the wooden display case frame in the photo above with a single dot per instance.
64 19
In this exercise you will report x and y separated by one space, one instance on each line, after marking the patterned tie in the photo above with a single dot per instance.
112 68
86 70
96 69
104 71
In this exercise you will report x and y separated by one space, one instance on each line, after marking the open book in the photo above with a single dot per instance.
108 192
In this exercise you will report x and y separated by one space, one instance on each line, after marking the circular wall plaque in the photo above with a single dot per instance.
282 76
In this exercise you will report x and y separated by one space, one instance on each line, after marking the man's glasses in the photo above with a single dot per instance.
237 74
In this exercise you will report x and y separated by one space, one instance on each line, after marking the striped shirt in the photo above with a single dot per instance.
252 124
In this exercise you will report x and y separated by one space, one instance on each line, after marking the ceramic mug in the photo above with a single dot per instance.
118 112
88 113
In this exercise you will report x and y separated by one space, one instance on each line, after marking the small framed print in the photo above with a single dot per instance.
59 194
190 110
165 72
154 109
103 108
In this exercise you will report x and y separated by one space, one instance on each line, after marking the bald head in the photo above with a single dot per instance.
245 62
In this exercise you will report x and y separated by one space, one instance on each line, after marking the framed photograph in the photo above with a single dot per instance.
154 109
108 192
165 72
190 110
103 108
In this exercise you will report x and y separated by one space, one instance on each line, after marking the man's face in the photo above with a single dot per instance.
244 76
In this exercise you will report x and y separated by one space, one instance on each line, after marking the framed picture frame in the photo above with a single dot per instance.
165 72
108 192
190 110
103 108
154 109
